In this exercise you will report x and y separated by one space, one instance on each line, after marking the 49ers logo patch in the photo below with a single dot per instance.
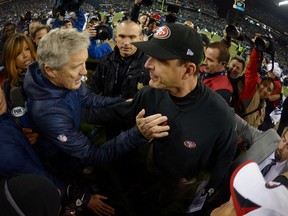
162 32
272 184
189 144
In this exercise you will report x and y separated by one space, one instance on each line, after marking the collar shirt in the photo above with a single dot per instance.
275 170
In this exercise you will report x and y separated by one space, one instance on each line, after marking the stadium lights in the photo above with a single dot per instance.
281 3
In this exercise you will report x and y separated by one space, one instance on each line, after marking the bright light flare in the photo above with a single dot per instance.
283 3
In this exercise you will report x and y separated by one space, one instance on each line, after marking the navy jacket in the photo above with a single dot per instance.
17 156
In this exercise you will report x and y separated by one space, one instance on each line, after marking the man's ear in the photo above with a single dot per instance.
50 72
191 70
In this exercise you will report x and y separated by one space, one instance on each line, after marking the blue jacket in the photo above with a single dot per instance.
78 23
56 113
17 156
98 51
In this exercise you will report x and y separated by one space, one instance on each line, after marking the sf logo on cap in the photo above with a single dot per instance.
162 32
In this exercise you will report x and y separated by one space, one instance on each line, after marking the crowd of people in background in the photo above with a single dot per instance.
178 112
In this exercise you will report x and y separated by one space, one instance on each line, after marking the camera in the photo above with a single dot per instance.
264 44
102 31
67 5
234 32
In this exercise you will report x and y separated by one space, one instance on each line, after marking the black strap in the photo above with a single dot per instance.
253 111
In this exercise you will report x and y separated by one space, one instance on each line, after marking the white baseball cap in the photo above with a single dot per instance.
253 196
276 70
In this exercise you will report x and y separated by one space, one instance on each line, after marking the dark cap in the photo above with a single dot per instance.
174 41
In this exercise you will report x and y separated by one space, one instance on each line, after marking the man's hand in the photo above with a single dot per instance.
32 136
153 126
91 29
99 207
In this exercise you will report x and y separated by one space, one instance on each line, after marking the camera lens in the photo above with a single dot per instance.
262 44
232 31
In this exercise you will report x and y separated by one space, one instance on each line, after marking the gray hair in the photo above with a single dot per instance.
56 47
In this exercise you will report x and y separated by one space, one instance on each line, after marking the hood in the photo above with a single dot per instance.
38 87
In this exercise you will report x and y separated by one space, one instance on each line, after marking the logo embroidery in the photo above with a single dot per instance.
189 144
62 138
272 184
18 111
190 52
162 33
139 86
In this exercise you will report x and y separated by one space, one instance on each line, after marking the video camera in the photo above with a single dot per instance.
102 31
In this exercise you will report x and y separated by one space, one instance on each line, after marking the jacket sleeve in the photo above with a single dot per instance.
247 132
60 131
124 112
97 52
90 99
80 21
135 13
251 78
57 23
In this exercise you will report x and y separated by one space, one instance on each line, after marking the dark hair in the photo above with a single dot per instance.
269 80
239 59
184 61
224 55
39 28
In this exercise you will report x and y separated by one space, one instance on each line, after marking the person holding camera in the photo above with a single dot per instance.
76 18
255 91
101 44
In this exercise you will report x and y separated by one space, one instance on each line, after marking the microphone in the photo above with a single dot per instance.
18 103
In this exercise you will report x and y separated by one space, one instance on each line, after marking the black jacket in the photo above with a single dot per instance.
201 135
116 76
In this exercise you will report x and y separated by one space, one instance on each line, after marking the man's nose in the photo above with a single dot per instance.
127 41
148 64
